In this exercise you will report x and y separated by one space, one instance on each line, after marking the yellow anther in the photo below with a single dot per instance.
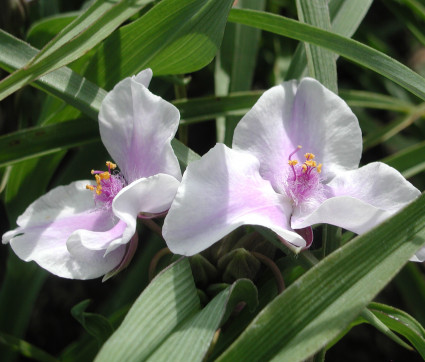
92 172
319 168
111 165
105 175
310 163
309 156
97 177
98 191
90 187
299 146
292 162
304 166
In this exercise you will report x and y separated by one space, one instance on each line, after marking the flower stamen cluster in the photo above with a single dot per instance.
303 183
107 185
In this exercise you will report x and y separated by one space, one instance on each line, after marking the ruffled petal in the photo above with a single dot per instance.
48 222
219 193
360 199
149 195
307 114
136 128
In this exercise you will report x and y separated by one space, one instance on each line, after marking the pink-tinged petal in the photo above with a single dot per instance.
152 195
307 234
360 199
136 128
45 226
219 193
82 240
130 250
307 114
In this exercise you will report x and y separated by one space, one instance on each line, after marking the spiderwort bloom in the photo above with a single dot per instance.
294 163
83 230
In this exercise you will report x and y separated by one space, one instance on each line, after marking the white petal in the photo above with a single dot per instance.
361 199
47 224
309 115
419 256
151 195
144 77
219 193
136 127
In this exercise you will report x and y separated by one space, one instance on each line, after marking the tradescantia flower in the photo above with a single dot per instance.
87 229
294 163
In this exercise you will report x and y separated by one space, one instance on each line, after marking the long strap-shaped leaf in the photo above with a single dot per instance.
348 48
346 16
83 36
168 300
312 311
69 86
191 340
174 37
321 62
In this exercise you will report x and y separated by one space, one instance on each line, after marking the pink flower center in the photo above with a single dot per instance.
107 186
303 180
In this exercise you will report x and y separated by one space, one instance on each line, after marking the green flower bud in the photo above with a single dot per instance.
239 263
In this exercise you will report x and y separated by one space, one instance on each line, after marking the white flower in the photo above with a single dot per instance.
268 179
83 230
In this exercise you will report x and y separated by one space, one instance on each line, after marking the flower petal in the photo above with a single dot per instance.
419 256
136 128
49 221
309 115
219 193
151 195
360 199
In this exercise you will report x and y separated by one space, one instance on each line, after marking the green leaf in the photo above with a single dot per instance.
348 48
411 285
95 324
62 83
409 161
89 29
44 30
38 141
168 300
76 90
373 320
206 108
190 340
19 289
42 140
25 349
402 323
235 64
366 99
342 285
346 16
384 133
174 37
321 62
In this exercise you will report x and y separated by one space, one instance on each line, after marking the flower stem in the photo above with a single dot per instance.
308 259
152 225
274 268
154 262
180 92
331 239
